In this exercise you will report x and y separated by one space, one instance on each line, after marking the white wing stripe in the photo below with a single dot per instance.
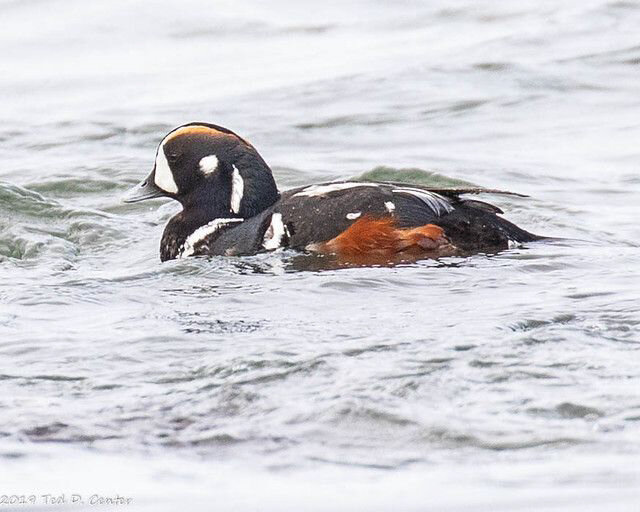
320 190
438 204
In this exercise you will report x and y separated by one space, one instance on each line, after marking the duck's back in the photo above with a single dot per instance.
382 218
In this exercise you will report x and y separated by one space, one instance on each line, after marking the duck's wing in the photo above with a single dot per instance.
313 214
423 192
318 213
455 191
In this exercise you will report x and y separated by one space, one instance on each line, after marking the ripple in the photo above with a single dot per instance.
522 363
352 120
568 410
532 324
14 198
413 175
72 186
54 378
59 432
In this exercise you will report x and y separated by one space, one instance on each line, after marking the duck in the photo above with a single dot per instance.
231 206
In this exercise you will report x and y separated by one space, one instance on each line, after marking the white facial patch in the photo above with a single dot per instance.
208 164
237 190
320 190
389 206
438 204
164 177
275 233
188 248
354 215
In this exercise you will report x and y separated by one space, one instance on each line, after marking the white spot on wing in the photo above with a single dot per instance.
275 233
438 204
512 244
164 177
201 233
389 206
354 215
312 247
208 164
320 190
237 190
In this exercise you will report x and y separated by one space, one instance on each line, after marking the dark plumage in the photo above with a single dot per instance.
231 206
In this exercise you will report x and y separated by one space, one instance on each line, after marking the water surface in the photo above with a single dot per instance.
494 382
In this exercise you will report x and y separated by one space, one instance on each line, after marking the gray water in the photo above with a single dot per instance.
494 382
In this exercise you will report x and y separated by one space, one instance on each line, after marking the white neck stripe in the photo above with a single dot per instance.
189 245
237 190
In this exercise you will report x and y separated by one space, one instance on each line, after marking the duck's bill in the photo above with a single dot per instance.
146 189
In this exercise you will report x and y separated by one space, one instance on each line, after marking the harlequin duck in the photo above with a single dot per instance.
231 206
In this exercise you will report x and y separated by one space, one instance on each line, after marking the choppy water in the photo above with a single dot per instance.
502 382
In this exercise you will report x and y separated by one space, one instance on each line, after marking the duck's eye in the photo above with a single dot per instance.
173 157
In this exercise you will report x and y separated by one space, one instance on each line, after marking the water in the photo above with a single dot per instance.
495 382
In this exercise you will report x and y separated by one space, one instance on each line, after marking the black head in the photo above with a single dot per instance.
209 169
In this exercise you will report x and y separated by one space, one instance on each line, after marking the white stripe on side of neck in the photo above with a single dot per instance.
237 190
189 245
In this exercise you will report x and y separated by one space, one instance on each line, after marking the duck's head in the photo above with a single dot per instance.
209 168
